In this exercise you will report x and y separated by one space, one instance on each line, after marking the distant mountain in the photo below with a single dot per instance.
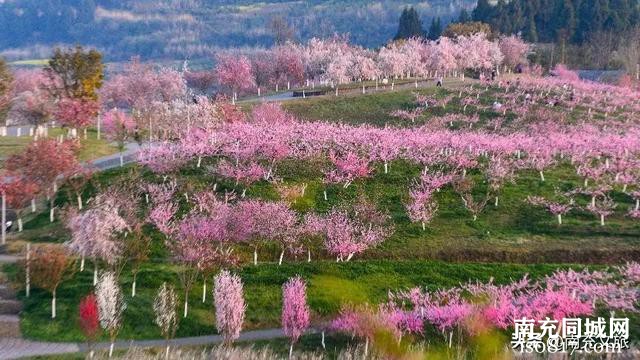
177 29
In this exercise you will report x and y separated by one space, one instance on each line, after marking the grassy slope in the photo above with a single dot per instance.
330 284
514 231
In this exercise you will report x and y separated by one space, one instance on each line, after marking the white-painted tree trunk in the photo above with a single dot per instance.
33 205
322 341
186 306
19 224
4 219
541 176
133 286
386 167
496 202
308 255
95 273
601 220
53 305
281 256
27 271
559 219
111 349
79 198
121 160
82 262
325 195
255 256
424 226
204 290
199 161
51 214
291 351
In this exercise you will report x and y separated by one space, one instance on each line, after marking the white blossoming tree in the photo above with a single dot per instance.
164 306
111 305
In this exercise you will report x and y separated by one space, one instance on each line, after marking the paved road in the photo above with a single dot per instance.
113 161
8 259
11 348
18 348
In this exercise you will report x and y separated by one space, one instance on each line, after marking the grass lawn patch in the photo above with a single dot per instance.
330 285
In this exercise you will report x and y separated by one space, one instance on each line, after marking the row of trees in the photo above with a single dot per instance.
335 61
70 89
104 308
564 294
475 310
545 145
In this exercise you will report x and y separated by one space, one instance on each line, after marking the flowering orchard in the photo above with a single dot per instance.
334 61
219 187
475 308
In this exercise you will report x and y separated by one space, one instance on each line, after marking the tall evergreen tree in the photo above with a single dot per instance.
532 31
410 24
464 16
565 21
483 11
435 30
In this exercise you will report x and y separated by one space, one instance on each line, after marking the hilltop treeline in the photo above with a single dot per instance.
572 21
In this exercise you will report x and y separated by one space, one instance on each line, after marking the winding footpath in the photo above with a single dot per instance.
16 348
12 346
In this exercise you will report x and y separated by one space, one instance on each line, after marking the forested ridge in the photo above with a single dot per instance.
575 21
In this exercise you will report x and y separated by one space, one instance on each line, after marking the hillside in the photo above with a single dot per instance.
178 29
